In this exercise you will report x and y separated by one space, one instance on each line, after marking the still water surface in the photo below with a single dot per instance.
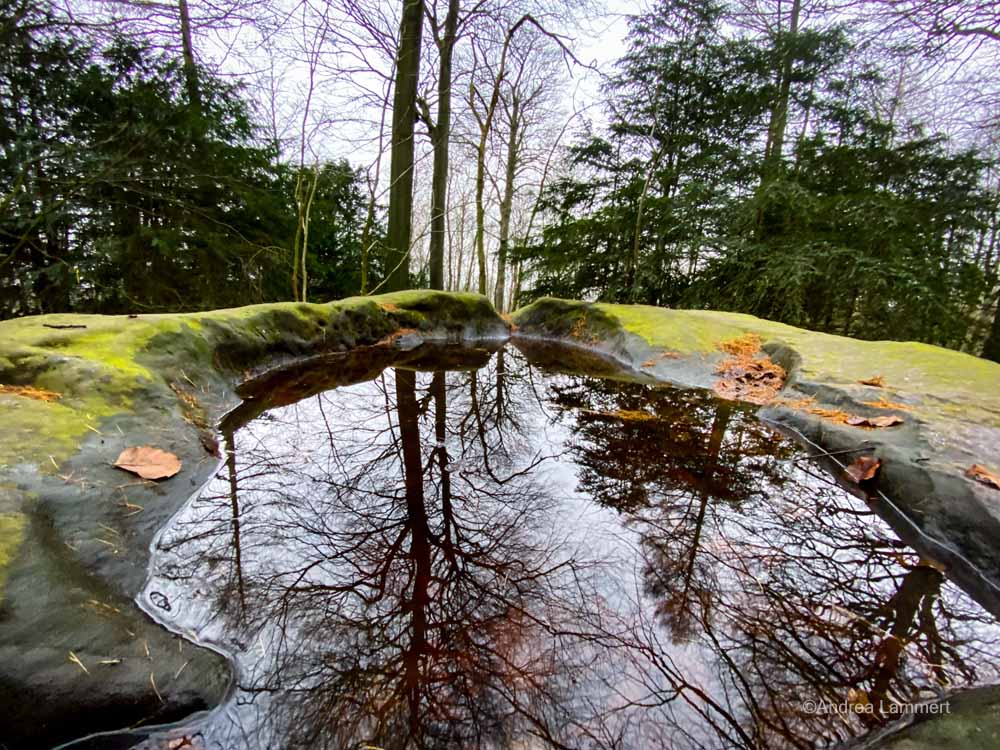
497 555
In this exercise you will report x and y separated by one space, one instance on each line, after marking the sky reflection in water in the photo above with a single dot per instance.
504 557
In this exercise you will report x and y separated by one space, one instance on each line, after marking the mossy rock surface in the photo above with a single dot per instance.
76 653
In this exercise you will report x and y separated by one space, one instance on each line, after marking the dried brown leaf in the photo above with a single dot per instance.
863 469
27 391
983 475
878 381
886 420
149 462
884 403
748 374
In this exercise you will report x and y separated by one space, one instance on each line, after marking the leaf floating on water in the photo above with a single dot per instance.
179 743
210 444
887 420
983 475
878 381
148 462
863 469
858 698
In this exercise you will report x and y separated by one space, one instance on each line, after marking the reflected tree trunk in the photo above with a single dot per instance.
420 543
235 504
919 588
718 434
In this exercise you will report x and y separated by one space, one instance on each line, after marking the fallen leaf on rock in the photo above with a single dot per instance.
863 469
26 391
148 462
748 374
887 420
745 346
878 381
983 475
210 444
884 403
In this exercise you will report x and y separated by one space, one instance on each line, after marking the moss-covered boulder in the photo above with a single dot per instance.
76 653
949 404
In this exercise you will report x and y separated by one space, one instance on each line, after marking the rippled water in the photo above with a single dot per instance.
495 555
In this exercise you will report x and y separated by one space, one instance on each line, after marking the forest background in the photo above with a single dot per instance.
831 164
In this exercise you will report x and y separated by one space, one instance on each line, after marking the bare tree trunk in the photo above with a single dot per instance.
513 147
460 242
190 67
515 292
366 234
401 156
779 113
991 349
481 209
440 138
779 119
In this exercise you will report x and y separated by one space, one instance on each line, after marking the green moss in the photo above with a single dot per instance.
110 343
11 536
101 363
684 331
948 385
35 430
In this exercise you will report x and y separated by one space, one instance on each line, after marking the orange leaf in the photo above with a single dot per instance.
983 475
878 381
863 469
27 391
149 462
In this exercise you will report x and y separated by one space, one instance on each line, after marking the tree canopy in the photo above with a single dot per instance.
745 172
122 195
794 160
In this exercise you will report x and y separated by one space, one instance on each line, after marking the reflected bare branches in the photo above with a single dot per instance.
501 557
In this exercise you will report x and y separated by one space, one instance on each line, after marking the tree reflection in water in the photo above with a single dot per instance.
507 558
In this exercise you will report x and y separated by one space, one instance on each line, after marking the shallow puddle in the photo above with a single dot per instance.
495 555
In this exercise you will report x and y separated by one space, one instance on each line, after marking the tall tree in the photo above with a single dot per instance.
445 36
404 111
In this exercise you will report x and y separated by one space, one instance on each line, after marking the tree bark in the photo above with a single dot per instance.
991 349
779 113
507 202
401 156
190 67
440 139
481 210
